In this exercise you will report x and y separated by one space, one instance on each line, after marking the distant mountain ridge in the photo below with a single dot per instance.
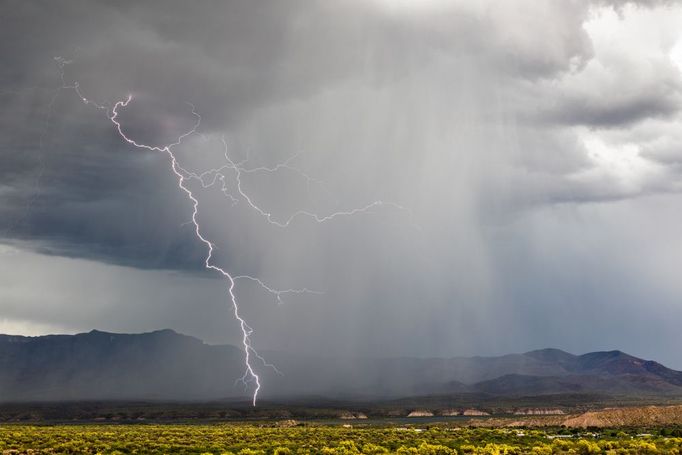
165 365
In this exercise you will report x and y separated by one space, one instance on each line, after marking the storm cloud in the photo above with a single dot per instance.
535 145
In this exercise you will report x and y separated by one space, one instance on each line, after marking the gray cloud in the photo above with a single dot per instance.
513 133
623 101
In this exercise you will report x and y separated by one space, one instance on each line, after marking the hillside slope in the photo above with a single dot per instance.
166 365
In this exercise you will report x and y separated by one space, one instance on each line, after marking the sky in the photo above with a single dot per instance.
529 154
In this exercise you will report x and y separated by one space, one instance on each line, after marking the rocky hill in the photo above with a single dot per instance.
165 365
647 416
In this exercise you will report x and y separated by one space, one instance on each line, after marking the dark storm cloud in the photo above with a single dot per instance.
229 59
507 128
85 196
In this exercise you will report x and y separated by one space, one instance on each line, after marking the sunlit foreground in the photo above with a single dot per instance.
276 438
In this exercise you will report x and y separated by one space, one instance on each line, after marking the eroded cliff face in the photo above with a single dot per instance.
420 413
538 412
347 415
461 412
474 412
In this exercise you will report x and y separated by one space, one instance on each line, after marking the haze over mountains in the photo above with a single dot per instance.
165 365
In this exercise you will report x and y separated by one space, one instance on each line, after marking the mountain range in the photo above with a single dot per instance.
165 365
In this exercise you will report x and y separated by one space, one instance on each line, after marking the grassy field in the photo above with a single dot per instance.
274 438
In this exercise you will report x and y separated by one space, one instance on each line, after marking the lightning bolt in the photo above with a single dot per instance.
300 213
181 175
212 177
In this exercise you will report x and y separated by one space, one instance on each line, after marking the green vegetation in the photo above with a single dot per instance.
252 439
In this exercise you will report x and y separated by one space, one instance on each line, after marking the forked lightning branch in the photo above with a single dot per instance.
207 179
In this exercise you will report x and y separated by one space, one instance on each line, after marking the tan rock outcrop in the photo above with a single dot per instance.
632 416
420 413
474 412
538 412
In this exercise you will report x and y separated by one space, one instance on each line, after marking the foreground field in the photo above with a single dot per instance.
251 439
